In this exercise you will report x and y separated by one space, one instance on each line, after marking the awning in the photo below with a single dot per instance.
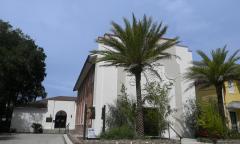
234 105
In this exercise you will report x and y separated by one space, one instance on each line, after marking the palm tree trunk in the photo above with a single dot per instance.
139 120
220 102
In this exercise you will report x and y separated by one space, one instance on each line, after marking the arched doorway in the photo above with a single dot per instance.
60 119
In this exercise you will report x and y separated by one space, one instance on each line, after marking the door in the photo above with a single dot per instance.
233 116
60 119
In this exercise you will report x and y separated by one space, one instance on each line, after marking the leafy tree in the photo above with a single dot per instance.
214 71
135 47
22 67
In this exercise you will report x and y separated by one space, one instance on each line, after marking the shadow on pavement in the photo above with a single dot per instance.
7 137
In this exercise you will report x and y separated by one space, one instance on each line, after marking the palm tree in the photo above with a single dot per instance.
214 71
135 47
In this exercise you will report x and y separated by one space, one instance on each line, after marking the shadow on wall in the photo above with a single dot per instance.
183 128
23 118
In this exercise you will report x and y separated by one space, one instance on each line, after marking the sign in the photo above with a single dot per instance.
49 119
91 133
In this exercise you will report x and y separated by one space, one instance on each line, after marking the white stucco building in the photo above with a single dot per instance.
98 86
52 113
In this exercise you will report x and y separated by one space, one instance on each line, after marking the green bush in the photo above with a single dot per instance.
151 122
123 132
209 120
37 128
192 110
121 116
122 112
233 135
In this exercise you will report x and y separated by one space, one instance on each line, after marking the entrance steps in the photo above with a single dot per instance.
55 131
191 141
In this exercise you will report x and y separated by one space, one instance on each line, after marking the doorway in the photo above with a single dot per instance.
233 117
60 119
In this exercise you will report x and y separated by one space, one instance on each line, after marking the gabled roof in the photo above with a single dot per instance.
86 67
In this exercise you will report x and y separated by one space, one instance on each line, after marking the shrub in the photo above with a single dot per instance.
151 121
210 120
13 130
192 110
122 112
203 117
123 132
233 135
37 128
156 96
121 115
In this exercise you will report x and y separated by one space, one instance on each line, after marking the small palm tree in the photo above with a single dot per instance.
135 47
214 71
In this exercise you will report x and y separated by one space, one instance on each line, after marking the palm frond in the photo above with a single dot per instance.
136 44
215 70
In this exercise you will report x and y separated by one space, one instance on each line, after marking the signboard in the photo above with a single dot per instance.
91 133
49 119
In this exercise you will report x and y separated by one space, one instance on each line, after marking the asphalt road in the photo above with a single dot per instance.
31 139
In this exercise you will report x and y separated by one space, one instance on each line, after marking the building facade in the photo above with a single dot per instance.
98 86
53 113
231 100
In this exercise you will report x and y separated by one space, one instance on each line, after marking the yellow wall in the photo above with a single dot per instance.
229 97
207 93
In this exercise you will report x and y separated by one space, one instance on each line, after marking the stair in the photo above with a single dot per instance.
55 131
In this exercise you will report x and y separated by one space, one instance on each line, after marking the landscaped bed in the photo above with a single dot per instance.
137 141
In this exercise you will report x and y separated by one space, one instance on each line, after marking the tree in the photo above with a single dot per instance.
135 47
22 67
214 71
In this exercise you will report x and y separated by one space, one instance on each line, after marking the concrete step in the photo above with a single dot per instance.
55 131
191 141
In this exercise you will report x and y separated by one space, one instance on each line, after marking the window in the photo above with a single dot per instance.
230 86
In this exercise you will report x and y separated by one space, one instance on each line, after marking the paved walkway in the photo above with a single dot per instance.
31 139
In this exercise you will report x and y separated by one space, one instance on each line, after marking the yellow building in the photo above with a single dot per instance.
231 101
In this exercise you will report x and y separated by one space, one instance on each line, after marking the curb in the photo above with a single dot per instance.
67 140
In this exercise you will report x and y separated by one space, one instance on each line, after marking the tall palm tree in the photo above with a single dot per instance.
135 47
214 71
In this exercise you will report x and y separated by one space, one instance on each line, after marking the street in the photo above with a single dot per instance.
31 139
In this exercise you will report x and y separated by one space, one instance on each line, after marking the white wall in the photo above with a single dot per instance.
55 106
108 82
23 118
105 91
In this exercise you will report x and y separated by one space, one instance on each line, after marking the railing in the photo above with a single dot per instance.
169 126
67 128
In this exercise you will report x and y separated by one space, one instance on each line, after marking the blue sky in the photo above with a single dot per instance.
67 29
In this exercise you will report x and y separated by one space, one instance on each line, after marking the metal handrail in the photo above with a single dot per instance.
169 126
